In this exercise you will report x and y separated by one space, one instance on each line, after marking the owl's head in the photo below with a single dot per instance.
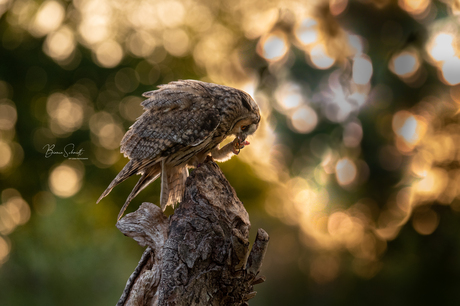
248 122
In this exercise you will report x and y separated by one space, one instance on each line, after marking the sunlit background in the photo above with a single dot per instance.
354 171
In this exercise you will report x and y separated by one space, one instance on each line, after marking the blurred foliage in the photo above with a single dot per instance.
354 171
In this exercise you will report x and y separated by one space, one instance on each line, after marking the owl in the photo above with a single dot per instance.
183 123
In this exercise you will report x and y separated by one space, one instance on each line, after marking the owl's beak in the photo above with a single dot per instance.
241 138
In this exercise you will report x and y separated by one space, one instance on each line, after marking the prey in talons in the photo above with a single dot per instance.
239 144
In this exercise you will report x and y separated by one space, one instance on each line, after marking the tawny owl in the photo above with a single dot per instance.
182 123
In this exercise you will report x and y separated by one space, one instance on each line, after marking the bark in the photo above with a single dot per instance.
200 255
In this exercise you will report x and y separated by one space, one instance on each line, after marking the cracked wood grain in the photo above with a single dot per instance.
200 255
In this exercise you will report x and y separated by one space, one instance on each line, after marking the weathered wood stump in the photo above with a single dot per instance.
200 255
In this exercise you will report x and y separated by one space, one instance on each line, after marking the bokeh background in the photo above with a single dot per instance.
354 171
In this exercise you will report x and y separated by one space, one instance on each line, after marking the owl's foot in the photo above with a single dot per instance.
237 146
207 159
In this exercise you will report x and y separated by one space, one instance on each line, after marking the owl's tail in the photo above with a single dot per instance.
131 168
172 185
149 176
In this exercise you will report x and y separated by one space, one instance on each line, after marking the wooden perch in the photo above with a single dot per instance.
200 255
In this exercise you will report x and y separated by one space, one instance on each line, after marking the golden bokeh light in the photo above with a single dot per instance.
18 209
304 119
288 97
108 132
352 134
215 47
130 107
8 114
356 44
306 31
421 163
14 211
339 103
67 113
110 136
337 6
404 199
7 224
49 17
362 70
257 22
329 160
409 129
127 79
441 47
5 249
143 15
273 46
345 171
4 5
171 13
94 29
340 225
308 201
321 177
405 64
109 54
66 179
105 158
60 45
451 70
176 42
141 43
425 221
319 58
99 120
96 17
414 7
433 184
442 147
6 155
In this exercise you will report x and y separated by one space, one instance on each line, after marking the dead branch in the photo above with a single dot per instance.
200 255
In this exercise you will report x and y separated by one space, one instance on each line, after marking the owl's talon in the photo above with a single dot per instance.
237 145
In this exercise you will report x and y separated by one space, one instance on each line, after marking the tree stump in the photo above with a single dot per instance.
199 255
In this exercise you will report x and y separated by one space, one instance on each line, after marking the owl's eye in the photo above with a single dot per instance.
244 127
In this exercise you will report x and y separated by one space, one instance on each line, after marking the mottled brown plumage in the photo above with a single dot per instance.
182 123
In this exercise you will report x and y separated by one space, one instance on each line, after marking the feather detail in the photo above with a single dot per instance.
164 193
179 94
150 175
128 170
172 185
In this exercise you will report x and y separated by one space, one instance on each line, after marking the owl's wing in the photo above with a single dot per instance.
178 94
134 166
150 174
163 131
